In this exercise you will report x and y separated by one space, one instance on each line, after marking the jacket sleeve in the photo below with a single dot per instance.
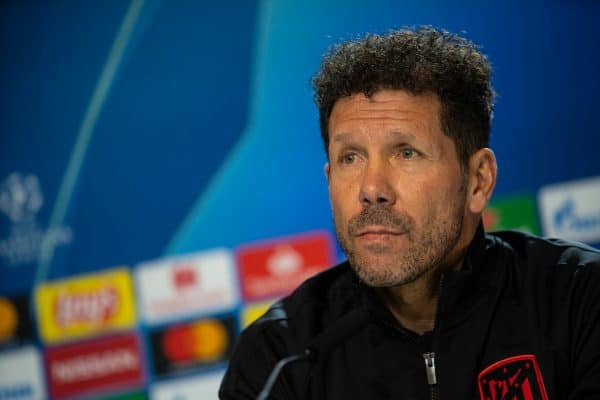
585 334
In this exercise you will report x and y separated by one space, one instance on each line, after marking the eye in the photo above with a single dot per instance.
348 158
408 153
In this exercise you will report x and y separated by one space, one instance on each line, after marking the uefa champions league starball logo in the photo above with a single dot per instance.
21 199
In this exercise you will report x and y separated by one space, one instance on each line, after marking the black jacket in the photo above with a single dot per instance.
521 320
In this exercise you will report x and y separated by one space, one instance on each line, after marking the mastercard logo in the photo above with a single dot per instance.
8 319
202 341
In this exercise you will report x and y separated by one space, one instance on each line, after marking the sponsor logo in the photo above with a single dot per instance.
205 386
567 218
21 199
17 392
95 366
85 306
21 375
517 377
285 261
8 320
571 210
275 268
15 326
514 212
96 306
192 345
185 277
178 287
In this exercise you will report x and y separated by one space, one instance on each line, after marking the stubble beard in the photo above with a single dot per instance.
380 266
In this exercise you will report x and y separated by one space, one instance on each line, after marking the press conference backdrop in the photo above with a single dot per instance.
161 170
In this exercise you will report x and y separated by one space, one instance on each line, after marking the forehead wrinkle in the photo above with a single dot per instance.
352 111
368 111
395 127
391 134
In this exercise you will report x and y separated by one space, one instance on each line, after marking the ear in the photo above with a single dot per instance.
326 170
482 179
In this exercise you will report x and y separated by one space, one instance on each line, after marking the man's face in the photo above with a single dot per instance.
396 187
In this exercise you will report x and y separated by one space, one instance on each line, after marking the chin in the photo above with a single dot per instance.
377 272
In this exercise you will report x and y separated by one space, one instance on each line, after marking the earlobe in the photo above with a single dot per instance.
482 179
326 170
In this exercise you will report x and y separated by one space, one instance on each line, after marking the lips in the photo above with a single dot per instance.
378 231
379 222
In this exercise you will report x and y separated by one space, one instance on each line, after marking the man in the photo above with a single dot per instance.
453 313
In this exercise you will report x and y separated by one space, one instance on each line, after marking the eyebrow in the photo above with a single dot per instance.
342 137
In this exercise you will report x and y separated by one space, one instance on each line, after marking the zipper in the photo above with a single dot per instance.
429 359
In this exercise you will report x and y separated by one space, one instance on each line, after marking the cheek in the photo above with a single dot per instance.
429 200
343 202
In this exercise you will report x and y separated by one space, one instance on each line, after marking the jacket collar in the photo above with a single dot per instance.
460 291
463 291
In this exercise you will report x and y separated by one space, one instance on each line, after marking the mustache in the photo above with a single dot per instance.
380 215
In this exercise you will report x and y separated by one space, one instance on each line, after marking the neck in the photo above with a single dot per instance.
414 304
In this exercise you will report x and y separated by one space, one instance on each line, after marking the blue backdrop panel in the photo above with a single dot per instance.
176 104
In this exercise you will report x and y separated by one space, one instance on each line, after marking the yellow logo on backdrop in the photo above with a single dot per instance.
254 311
85 306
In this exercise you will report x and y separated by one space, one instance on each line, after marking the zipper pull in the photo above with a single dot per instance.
430 367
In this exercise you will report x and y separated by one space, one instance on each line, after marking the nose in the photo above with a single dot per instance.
376 186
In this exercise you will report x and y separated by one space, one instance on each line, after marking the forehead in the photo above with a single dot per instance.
386 107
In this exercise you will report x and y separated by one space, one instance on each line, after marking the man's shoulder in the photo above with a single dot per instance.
327 294
545 251
287 328
311 307
330 292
